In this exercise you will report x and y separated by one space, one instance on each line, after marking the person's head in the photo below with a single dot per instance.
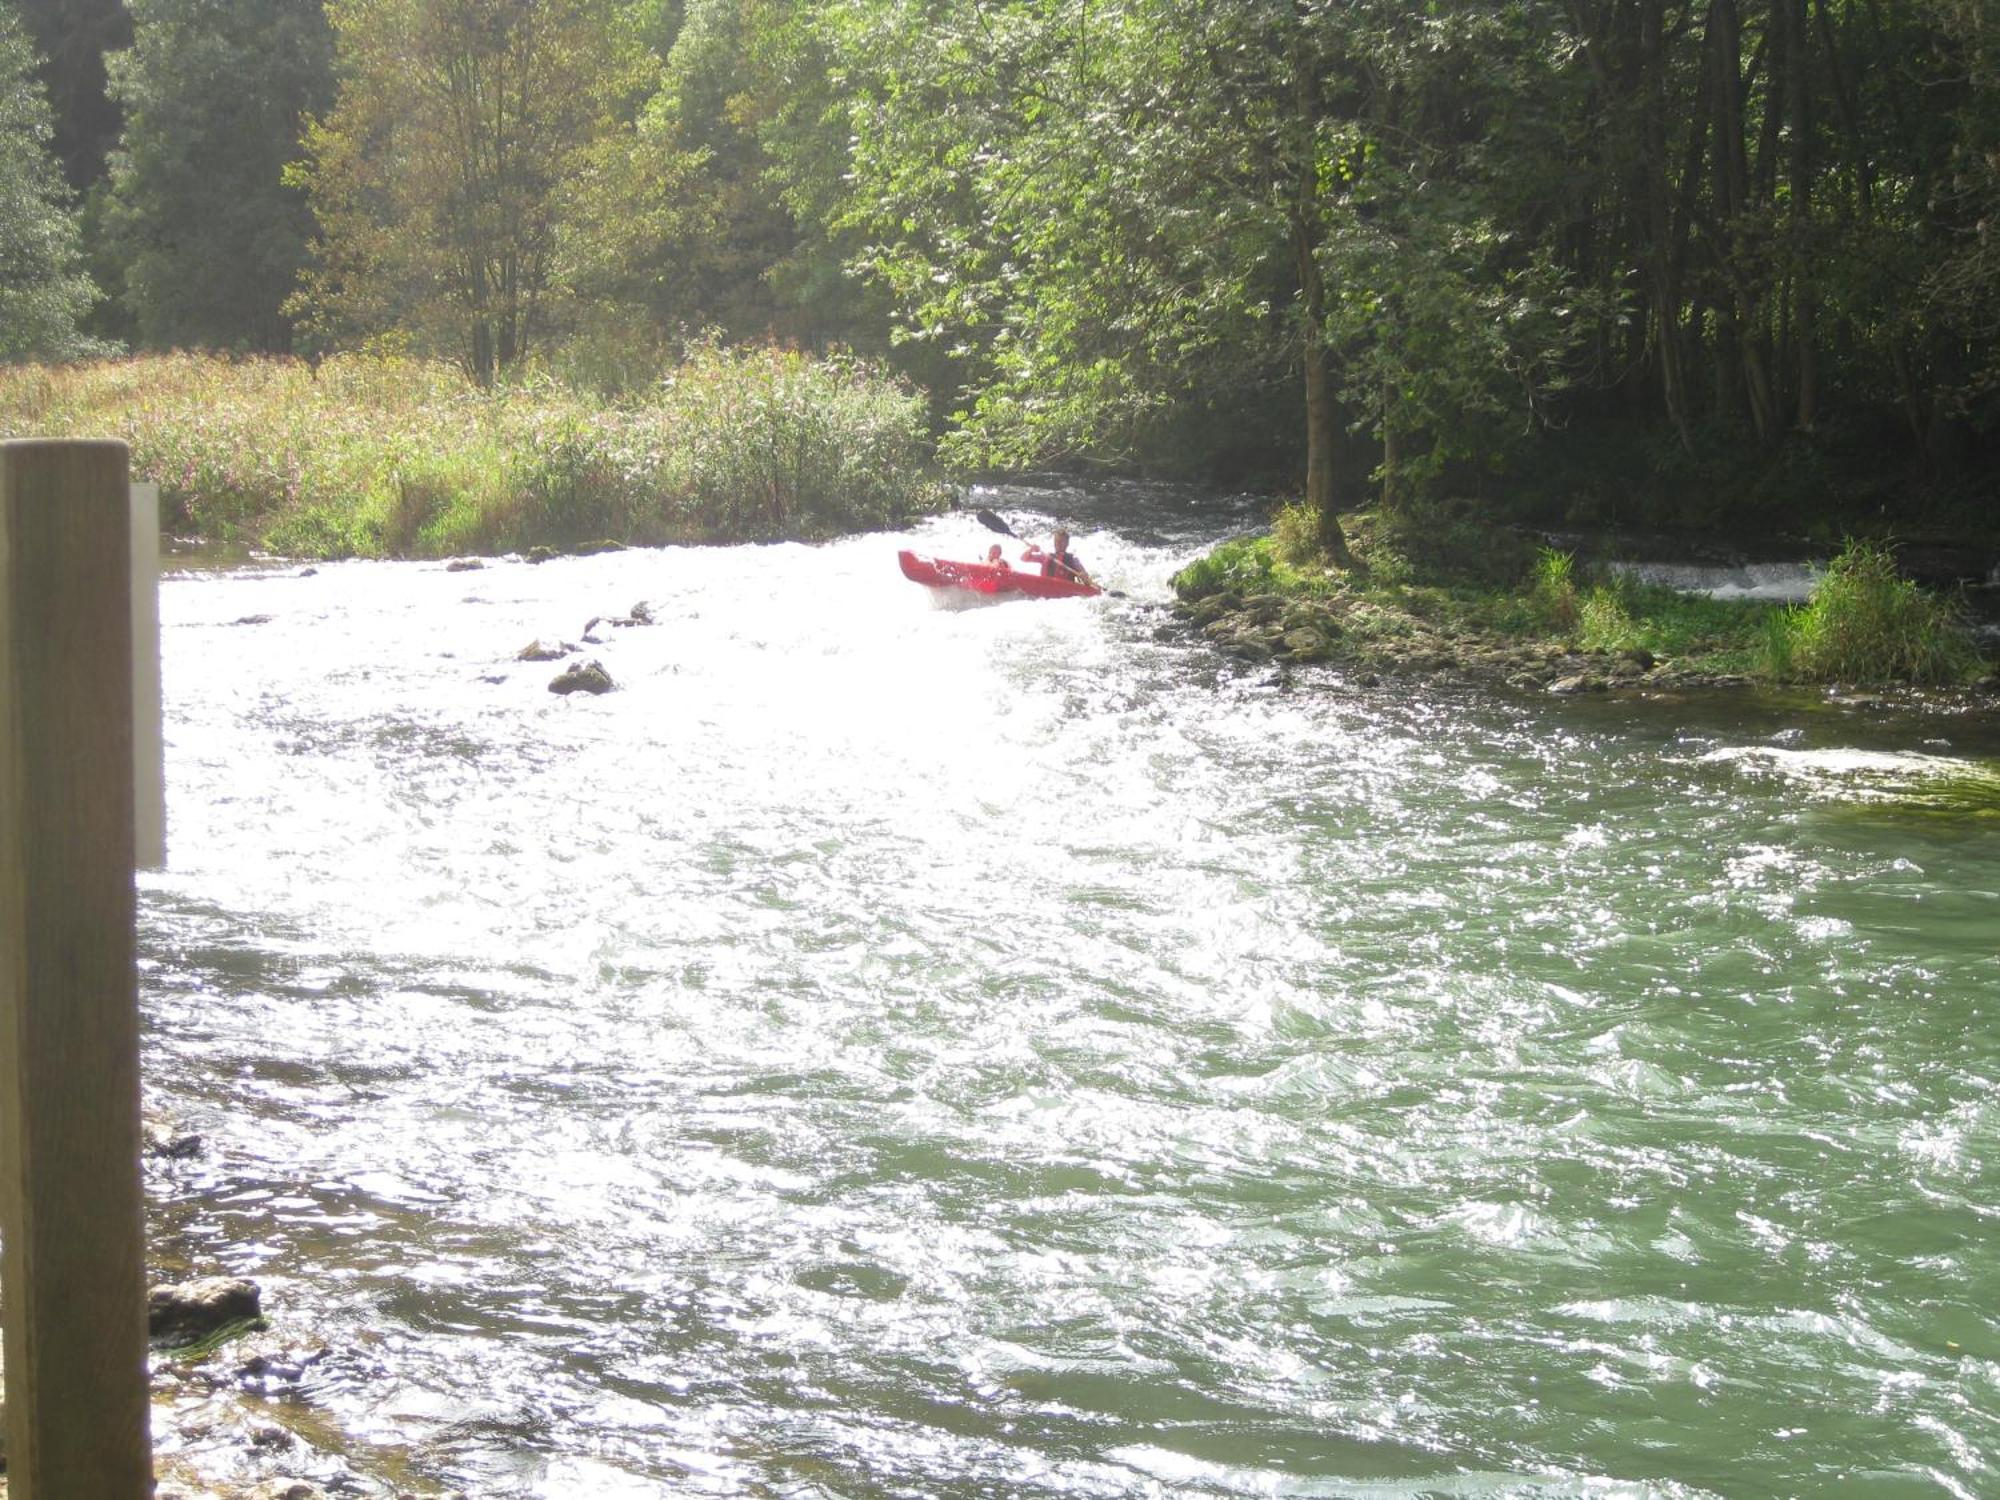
993 553
1061 539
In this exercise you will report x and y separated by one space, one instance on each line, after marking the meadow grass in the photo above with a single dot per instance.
377 456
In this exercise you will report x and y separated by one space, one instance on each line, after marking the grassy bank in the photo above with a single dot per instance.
1440 590
377 457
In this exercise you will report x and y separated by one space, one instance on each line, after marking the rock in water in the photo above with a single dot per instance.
584 677
538 650
192 1310
1581 682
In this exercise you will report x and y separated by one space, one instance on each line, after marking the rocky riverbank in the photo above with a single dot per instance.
1370 637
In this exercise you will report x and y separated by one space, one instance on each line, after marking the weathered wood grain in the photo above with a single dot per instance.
71 1262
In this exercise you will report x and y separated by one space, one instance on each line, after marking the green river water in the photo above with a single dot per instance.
887 1051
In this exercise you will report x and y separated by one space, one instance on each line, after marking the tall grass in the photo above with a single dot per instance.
1552 595
381 456
1867 623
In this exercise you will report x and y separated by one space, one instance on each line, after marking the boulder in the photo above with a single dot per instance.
1307 643
539 650
190 1311
1581 682
1265 608
583 677
602 544
173 1145
1207 611
464 565
542 554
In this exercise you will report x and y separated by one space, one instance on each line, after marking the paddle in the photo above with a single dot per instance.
993 522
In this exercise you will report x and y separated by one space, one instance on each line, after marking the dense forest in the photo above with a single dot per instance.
1716 262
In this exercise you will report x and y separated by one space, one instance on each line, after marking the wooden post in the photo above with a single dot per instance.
72 1266
149 764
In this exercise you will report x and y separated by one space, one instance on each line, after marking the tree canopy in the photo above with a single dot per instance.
43 289
1715 257
210 237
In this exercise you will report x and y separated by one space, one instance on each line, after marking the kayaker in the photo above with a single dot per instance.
1058 561
995 560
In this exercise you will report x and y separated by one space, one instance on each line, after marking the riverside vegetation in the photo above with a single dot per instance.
376 456
1436 589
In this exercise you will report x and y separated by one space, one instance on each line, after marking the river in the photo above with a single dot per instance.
886 1051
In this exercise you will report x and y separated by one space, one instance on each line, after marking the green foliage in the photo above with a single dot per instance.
1295 536
1248 565
43 291
374 456
1451 540
1605 620
705 213
1867 623
1552 594
209 237
1615 613
440 175
771 443
1082 206
1546 602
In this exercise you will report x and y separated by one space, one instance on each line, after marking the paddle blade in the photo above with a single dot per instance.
993 523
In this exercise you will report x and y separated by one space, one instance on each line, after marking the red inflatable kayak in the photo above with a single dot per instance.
989 578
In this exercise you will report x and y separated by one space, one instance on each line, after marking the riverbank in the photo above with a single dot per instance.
378 457
1447 597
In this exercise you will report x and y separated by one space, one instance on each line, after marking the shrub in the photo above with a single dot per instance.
1246 565
1552 589
1455 539
768 443
1866 622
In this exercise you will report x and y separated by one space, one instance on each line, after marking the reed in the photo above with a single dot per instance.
375 456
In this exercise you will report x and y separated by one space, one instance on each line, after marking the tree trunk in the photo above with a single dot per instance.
1322 442
1664 284
1390 494
1745 329
1322 412
1798 99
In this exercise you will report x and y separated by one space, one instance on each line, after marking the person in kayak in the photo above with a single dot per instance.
1058 561
995 560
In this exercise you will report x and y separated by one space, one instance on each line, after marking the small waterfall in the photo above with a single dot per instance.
1782 582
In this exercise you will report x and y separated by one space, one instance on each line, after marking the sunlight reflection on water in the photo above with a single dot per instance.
879 1051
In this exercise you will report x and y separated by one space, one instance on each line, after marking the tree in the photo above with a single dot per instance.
438 177
74 37
1119 212
210 238
42 291
1100 210
710 209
